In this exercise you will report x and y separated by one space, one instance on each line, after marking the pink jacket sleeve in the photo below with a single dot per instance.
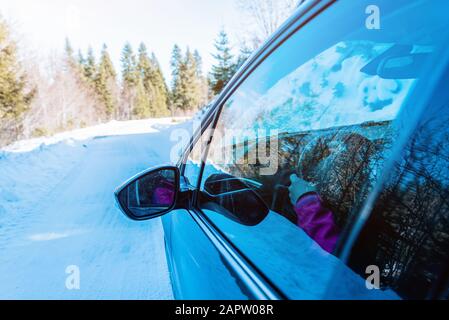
163 196
317 221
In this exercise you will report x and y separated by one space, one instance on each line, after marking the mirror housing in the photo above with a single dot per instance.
150 194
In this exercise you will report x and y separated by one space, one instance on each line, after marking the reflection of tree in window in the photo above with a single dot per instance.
407 234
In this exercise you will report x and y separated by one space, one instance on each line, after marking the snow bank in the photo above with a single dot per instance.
111 128
26 176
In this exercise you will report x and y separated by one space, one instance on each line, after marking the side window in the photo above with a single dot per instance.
407 235
192 164
300 144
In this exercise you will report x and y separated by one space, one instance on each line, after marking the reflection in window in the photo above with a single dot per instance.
335 88
407 235
334 118
192 166
325 105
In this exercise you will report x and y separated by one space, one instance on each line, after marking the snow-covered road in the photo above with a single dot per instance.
58 210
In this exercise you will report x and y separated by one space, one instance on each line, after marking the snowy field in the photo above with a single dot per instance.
57 209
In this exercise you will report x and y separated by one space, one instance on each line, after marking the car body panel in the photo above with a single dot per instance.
197 269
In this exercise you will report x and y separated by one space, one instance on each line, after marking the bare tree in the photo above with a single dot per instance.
62 100
263 17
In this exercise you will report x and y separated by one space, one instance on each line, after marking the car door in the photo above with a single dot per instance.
301 143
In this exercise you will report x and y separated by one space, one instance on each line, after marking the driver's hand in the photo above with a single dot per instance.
299 187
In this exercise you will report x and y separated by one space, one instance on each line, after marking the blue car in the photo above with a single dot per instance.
322 169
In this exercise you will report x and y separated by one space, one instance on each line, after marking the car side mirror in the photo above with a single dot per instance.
149 194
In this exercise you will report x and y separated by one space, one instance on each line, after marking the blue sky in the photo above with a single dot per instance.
44 24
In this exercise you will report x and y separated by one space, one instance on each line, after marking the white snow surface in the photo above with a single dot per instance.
57 209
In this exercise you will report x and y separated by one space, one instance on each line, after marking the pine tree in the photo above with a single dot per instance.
176 64
162 99
106 63
144 63
202 80
199 63
75 64
130 80
14 100
141 104
225 68
153 81
106 83
129 66
90 68
189 86
146 91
